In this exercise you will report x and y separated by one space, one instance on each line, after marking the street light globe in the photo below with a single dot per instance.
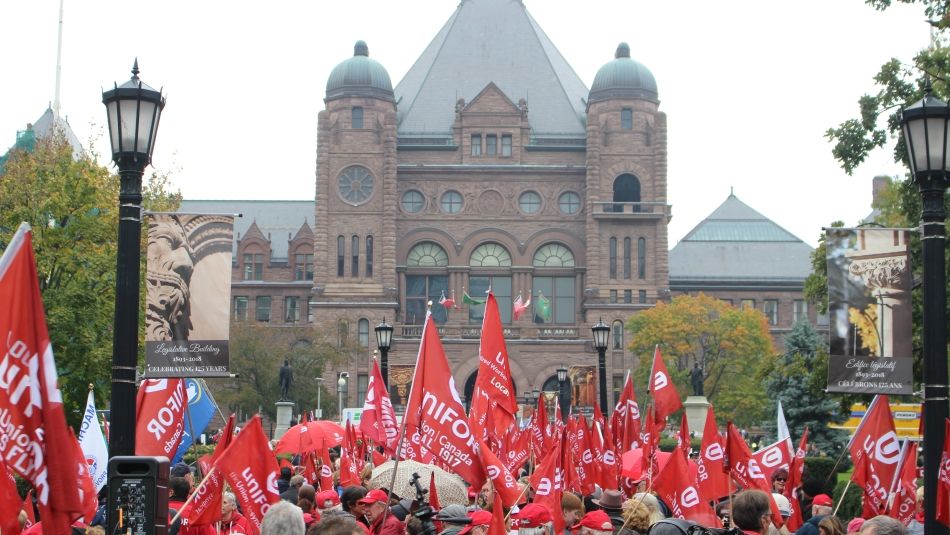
341 382
134 110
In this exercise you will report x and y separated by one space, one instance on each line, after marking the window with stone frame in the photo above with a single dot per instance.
303 267
612 256
355 261
626 119
747 303
799 310
240 308
426 280
262 308
362 332
627 254
340 255
362 385
476 144
369 256
642 296
491 145
642 258
554 296
253 266
291 309
617 332
357 117
770 308
506 145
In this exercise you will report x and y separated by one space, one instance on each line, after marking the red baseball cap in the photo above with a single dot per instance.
533 515
822 499
327 499
479 518
597 520
373 496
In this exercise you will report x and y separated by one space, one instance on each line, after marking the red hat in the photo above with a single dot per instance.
479 518
533 515
327 499
597 520
822 499
373 496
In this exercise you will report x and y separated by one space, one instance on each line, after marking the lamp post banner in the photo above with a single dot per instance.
188 294
869 310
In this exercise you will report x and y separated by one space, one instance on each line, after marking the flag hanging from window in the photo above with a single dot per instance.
543 308
446 302
468 300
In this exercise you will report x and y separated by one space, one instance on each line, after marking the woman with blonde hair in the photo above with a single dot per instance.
652 505
636 515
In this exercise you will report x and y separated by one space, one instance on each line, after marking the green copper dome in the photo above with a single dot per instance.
360 76
623 78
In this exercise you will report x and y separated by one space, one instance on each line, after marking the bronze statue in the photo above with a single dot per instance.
696 378
286 378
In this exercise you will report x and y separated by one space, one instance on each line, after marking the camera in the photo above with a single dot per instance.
422 510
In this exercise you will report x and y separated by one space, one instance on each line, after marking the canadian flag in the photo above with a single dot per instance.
160 416
378 422
31 403
713 483
666 400
435 406
875 447
250 467
681 494
494 404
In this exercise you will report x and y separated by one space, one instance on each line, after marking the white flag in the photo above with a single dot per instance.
781 425
93 444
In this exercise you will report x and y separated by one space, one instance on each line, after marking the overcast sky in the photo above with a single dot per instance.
749 87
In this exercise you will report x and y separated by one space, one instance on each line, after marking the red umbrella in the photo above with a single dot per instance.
633 463
309 436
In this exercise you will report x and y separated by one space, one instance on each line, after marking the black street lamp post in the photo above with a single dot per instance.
925 124
384 340
601 334
561 383
134 110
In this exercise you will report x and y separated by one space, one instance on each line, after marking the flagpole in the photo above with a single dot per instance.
194 442
840 500
193 495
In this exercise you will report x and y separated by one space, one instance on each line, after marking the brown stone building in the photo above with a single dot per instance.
490 164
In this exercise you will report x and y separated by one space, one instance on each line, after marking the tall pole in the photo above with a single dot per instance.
125 337
933 187
384 365
602 373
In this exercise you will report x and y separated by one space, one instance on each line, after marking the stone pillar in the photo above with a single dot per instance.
696 408
285 410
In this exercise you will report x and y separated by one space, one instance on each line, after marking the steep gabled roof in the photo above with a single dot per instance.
738 243
491 41
44 127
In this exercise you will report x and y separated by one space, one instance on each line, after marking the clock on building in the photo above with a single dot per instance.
355 184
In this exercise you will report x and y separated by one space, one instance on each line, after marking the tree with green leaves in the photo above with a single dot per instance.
797 379
72 205
731 346
257 353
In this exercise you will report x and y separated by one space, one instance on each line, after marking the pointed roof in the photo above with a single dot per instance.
281 220
736 242
491 41
45 126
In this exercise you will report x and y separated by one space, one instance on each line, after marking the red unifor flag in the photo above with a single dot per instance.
517 449
539 429
31 406
160 416
745 469
666 400
349 467
326 468
904 497
625 421
683 439
9 520
794 483
497 526
773 457
713 482
506 485
435 411
651 441
875 442
250 467
493 399
587 473
548 486
205 509
943 479
412 449
607 466
310 470
680 493
27 507
87 489
570 480
378 422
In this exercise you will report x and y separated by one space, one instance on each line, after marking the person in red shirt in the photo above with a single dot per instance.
232 522
381 520
180 489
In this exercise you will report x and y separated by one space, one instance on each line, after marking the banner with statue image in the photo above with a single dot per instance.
188 294
869 310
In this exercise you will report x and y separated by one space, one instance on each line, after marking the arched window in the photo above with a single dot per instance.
618 334
342 333
362 332
627 245
490 255
369 256
355 251
642 258
425 286
626 190
613 258
340 255
427 254
553 255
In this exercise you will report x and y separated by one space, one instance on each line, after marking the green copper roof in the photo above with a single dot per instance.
360 76
623 78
